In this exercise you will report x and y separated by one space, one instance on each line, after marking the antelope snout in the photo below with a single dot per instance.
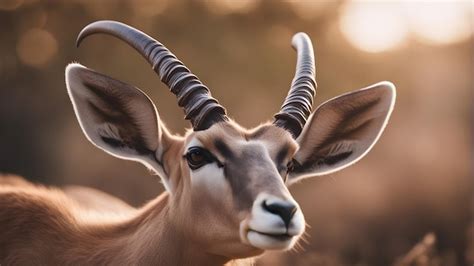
284 209
274 223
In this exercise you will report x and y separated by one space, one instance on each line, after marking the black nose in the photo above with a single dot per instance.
285 210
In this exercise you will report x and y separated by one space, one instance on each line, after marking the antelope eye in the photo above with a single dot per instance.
198 157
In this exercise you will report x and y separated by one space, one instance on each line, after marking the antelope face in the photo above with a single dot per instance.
243 174
228 186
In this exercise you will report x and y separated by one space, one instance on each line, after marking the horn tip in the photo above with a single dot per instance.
90 29
300 35
78 41
82 35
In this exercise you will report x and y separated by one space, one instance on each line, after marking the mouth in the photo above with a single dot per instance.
270 241
279 237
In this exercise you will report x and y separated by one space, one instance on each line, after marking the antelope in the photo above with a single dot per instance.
226 195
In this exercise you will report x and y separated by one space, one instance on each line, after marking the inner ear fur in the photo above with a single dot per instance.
342 130
115 116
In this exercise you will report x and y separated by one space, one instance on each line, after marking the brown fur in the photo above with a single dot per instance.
44 226
79 225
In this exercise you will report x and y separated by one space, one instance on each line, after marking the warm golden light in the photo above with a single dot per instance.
381 26
36 47
148 8
372 26
440 22
230 6
311 9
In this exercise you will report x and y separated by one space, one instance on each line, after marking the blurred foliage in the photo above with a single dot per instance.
416 180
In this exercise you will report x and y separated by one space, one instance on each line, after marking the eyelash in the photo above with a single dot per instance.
290 165
285 170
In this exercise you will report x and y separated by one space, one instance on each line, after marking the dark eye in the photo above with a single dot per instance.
197 157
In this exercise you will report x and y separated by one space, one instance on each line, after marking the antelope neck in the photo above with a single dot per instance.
153 237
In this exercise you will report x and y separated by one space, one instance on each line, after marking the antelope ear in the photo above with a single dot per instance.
342 130
116 117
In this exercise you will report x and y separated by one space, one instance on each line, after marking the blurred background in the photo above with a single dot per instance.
409 201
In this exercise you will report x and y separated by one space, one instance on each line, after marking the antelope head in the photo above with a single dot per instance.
228 186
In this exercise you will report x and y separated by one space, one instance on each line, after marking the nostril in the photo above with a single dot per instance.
285 210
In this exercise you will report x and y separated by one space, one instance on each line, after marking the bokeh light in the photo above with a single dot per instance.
373 27
311 9
148 8
382 26
36 47
440 22
231 6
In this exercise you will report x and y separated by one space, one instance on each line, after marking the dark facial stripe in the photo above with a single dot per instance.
238 173
223 149
282 154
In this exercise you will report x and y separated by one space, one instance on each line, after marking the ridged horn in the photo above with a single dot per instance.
199 106
297 105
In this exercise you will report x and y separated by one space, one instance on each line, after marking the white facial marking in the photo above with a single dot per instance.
264 221
210 176
267 230
267 242
297 223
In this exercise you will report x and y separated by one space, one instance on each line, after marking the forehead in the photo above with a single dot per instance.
230 137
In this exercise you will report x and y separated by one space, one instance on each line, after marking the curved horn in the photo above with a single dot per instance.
198 104
297 106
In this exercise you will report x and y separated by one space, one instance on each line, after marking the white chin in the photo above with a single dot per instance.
264 241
